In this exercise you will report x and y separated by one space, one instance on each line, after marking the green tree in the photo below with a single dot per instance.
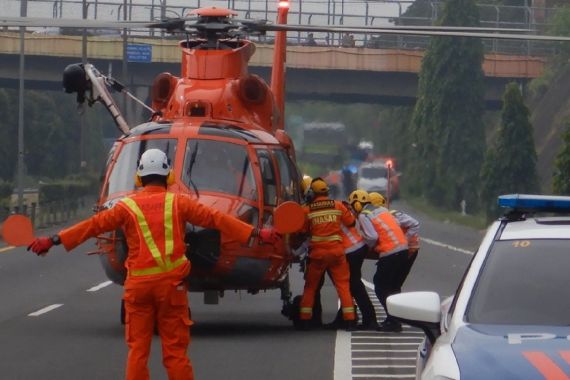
560 25
447 123
561 178
510 163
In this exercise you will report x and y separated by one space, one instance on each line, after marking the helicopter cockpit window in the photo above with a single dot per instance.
123 175
219 166
288 174
268 178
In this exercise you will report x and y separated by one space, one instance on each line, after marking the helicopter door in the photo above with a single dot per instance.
289 178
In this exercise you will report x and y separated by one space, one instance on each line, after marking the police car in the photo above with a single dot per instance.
510 317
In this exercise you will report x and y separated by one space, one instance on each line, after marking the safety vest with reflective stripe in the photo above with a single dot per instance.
351 239
158 253
325 217
391 238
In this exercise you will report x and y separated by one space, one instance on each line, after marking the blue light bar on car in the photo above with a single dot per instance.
535 202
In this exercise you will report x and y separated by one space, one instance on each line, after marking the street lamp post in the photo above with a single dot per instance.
23 13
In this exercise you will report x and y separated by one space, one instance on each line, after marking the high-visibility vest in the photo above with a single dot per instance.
161 251
351 239
325 219
391 238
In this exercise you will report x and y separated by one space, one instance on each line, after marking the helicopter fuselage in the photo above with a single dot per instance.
239 171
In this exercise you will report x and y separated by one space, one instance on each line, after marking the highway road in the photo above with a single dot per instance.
59 319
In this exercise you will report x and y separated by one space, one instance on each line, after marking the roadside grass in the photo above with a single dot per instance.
477 221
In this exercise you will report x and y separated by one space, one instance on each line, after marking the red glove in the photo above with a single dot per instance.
268 235
40 246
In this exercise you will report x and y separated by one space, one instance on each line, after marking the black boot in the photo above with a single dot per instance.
390 325
350 325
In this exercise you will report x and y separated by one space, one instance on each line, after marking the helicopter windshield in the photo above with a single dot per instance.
219 166
123 175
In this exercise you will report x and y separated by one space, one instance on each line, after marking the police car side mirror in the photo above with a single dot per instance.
418 309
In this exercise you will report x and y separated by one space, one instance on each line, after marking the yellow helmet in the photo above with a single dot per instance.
319 186
357 199
377 199
306 183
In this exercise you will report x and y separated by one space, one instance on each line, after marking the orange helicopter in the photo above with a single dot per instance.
223 130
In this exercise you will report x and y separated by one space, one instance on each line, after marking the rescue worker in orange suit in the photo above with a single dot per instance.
326 252
356 250
153 221
411 228
382 232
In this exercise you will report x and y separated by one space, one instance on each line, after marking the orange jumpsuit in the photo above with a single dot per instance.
154 221
326 253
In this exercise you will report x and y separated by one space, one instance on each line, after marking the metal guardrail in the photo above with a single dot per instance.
52 213
323 12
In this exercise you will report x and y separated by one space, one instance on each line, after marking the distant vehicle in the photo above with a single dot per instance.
323 143
379 176
510 317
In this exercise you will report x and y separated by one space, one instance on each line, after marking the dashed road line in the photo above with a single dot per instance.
100 286
46 309
448 246
6 249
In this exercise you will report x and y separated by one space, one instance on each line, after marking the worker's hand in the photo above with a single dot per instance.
412 251
40 246
268 235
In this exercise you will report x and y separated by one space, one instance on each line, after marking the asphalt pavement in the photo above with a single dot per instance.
60 320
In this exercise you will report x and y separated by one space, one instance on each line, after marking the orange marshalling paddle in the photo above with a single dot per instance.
288 217
18 231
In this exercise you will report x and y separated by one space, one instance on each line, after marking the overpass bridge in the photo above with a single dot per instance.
355 74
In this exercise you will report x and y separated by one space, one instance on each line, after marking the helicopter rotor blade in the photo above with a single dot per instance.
173 24
427 28
72 23
430 33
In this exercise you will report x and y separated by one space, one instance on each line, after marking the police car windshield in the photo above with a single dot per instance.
218 166
374 172
523 282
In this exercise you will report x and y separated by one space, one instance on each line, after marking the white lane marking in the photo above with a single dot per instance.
45 310
100 286
8 248
415 344
364 338
384 366
382 350
368 284
382 376
450 247
342 356
383 358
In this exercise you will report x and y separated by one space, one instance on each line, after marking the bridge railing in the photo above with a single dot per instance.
331 12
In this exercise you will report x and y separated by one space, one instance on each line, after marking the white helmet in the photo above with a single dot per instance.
153 161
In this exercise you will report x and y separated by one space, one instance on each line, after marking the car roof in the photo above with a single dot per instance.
554 227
